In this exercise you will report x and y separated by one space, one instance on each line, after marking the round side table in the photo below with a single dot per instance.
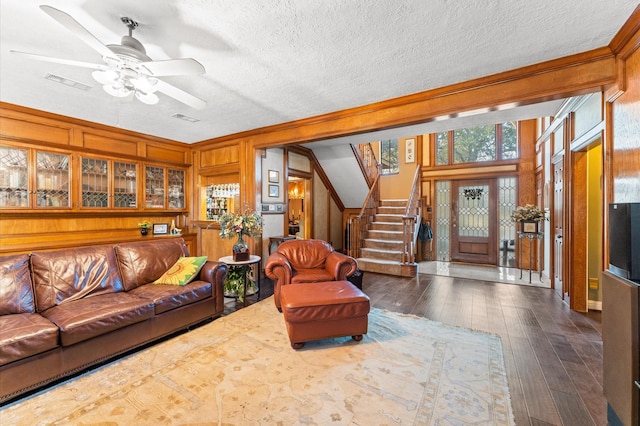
252 262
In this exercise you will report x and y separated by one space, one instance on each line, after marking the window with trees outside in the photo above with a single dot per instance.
490 142
389 156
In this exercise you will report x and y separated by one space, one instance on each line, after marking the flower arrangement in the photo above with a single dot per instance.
237 224
144 224
529 212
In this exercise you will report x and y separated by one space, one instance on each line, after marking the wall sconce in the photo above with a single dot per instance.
473 194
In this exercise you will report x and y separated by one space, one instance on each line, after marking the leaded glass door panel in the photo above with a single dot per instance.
52 180
473 221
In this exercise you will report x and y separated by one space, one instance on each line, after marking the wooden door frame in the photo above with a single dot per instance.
555 161
577 203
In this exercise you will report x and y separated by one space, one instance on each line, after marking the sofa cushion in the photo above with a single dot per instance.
16 290
143 262
311 276
93 316
64 276
24 335
185 270
168 297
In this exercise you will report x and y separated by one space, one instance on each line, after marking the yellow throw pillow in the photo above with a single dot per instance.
183 271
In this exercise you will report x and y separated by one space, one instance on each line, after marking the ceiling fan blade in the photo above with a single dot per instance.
74 26
180 95
186 66
61 60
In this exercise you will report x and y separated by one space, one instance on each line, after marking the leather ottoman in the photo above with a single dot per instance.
314 311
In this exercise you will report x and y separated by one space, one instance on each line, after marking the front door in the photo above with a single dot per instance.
473 221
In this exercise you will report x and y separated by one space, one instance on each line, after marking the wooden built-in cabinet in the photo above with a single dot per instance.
164 188
40 180
34 179
108 184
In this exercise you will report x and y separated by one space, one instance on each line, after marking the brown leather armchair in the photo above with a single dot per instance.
306 261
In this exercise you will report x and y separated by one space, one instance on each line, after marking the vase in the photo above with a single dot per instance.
144 231
240 250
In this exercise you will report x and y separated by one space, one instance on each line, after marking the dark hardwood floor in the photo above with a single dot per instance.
553 356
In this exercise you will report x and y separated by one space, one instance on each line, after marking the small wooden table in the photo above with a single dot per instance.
252 262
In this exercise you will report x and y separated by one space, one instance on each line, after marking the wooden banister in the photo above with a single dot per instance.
411 220
360 224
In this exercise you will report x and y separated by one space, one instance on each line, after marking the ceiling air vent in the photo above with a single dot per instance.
185 118
67 82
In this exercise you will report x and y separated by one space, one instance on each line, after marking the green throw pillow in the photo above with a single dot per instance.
183 271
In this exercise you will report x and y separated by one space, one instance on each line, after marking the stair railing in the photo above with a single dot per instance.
411 221
366 157
360 224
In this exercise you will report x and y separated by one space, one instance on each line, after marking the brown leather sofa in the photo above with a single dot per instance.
306 261
63 311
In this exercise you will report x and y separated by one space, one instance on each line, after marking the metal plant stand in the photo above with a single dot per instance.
530 236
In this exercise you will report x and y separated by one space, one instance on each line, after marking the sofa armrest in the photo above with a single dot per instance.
340 265
278 268
215 273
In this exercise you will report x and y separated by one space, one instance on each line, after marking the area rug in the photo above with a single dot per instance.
241 370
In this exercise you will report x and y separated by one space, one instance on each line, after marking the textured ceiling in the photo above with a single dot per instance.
274 61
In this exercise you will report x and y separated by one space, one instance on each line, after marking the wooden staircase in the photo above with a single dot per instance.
382 248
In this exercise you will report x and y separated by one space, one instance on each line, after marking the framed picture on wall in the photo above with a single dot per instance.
274 176
274 191
410 150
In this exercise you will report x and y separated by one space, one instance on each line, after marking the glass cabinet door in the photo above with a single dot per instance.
13 177
95 183
52 180
154 187
176 189
125 185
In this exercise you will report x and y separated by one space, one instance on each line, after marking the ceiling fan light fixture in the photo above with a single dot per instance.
105 76
117 90
144 84
147 98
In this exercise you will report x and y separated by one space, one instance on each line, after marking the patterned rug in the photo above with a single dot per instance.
241 370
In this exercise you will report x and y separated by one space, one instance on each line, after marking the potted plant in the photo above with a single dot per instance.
144 227
235 280
529 216
238 225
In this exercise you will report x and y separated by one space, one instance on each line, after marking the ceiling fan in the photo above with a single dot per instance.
127 69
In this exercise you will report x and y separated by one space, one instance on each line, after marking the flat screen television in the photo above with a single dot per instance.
624 240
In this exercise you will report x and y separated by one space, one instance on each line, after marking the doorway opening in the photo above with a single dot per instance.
298 190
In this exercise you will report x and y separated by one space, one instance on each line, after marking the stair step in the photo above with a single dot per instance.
393 203
387 218
382 244
387 267
391 210
386 226
373 253
381 234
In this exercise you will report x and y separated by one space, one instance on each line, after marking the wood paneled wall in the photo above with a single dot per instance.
42 230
